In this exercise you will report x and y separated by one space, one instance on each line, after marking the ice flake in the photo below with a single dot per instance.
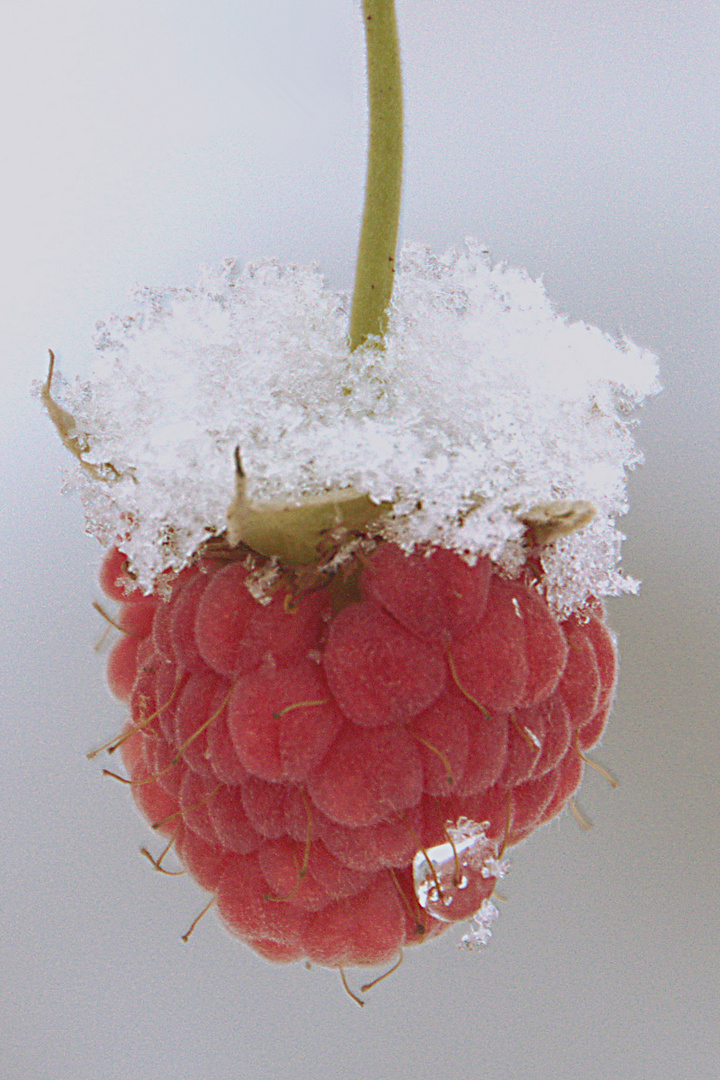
480 933
261 582
495 868
484 403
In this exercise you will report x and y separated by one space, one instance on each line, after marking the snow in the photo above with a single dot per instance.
480 933
484 403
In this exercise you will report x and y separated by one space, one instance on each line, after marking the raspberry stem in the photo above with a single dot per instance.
375 267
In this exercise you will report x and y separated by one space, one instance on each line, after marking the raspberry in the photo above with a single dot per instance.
307 755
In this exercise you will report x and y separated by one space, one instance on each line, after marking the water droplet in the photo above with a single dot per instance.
453 879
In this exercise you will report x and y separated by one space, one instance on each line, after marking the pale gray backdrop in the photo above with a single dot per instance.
145 138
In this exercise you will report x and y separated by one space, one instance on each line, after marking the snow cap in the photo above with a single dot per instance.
483 404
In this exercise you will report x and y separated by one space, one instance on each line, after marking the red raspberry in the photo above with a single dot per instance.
301 757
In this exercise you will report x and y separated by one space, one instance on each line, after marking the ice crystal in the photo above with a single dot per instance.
480 933
495 868
484 403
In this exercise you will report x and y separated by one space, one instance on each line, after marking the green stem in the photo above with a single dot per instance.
379 232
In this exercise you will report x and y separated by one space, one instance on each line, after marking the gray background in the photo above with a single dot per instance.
142 139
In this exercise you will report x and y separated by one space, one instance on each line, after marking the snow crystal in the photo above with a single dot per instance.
480 933
483 404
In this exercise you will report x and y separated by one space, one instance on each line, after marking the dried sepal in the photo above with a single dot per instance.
290 532
67 428
550 520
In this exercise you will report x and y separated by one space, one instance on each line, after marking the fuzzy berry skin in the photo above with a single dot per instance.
300 756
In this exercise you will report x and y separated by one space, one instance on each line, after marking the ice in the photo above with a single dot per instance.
480 933
484 403
450 879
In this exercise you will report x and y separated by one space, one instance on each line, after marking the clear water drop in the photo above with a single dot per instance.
453 879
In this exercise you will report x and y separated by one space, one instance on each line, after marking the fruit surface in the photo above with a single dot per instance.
299 752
